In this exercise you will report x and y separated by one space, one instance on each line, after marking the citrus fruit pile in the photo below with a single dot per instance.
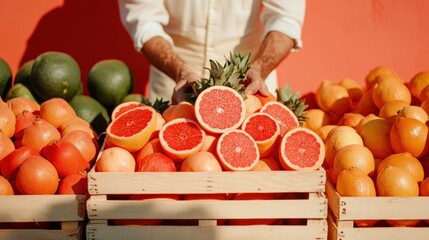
219 129
375 135
44 148
57 75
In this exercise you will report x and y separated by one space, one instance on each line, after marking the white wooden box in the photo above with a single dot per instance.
344 211
206 212
66 211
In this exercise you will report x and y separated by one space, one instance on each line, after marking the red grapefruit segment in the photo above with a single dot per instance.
237 151
219 109
265 130
124 107
132 129
301 149
181 138
282 114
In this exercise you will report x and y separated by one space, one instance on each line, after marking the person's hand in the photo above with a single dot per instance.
255 82
185 82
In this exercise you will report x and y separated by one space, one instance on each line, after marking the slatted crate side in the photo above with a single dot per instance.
61 216
206 182
344 211
68 231
377 208
255 232
313 208
42 208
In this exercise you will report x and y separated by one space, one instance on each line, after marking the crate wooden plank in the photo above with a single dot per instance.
392 233
205 182
42 208
256 232
45 234
207 209
380 208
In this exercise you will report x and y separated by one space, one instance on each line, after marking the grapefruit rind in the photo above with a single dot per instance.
183 136
274 109
303 148
138 138
214 103
221 149
124 107
268 145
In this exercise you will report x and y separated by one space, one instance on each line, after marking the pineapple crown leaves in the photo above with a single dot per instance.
232 74
292 100
159 105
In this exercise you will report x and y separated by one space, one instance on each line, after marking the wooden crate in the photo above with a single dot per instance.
313 208
61 215
344 211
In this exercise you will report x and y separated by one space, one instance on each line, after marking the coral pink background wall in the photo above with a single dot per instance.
341 38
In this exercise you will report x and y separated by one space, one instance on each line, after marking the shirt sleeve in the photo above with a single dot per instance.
144 19
285 16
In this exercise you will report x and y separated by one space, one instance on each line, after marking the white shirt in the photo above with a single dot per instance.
200 30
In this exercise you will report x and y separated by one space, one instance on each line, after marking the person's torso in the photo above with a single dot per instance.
211 29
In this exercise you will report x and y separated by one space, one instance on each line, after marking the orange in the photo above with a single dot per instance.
7 121
375 134
350 119
366 119
418 82
334 100
253 104
389 91
424 187
181 110
415 112
391 109
379 73
315 118
20 104
405 161
365 105
337 138
409 135
353 182
57 111
353 155
425 105
424 94
394 181
354 89
6 145
323 131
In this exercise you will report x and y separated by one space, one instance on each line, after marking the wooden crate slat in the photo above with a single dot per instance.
204 182
42 208
45 234
100 232
381 208
207 209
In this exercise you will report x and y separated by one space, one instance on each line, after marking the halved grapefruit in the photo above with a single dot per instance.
282 114
219 109
301 149
181 138
237 151
265 130
132 129
123 107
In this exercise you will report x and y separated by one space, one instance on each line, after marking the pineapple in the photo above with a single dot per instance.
232 74
293 102
159 105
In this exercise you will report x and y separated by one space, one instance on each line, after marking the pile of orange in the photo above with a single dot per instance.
376 135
